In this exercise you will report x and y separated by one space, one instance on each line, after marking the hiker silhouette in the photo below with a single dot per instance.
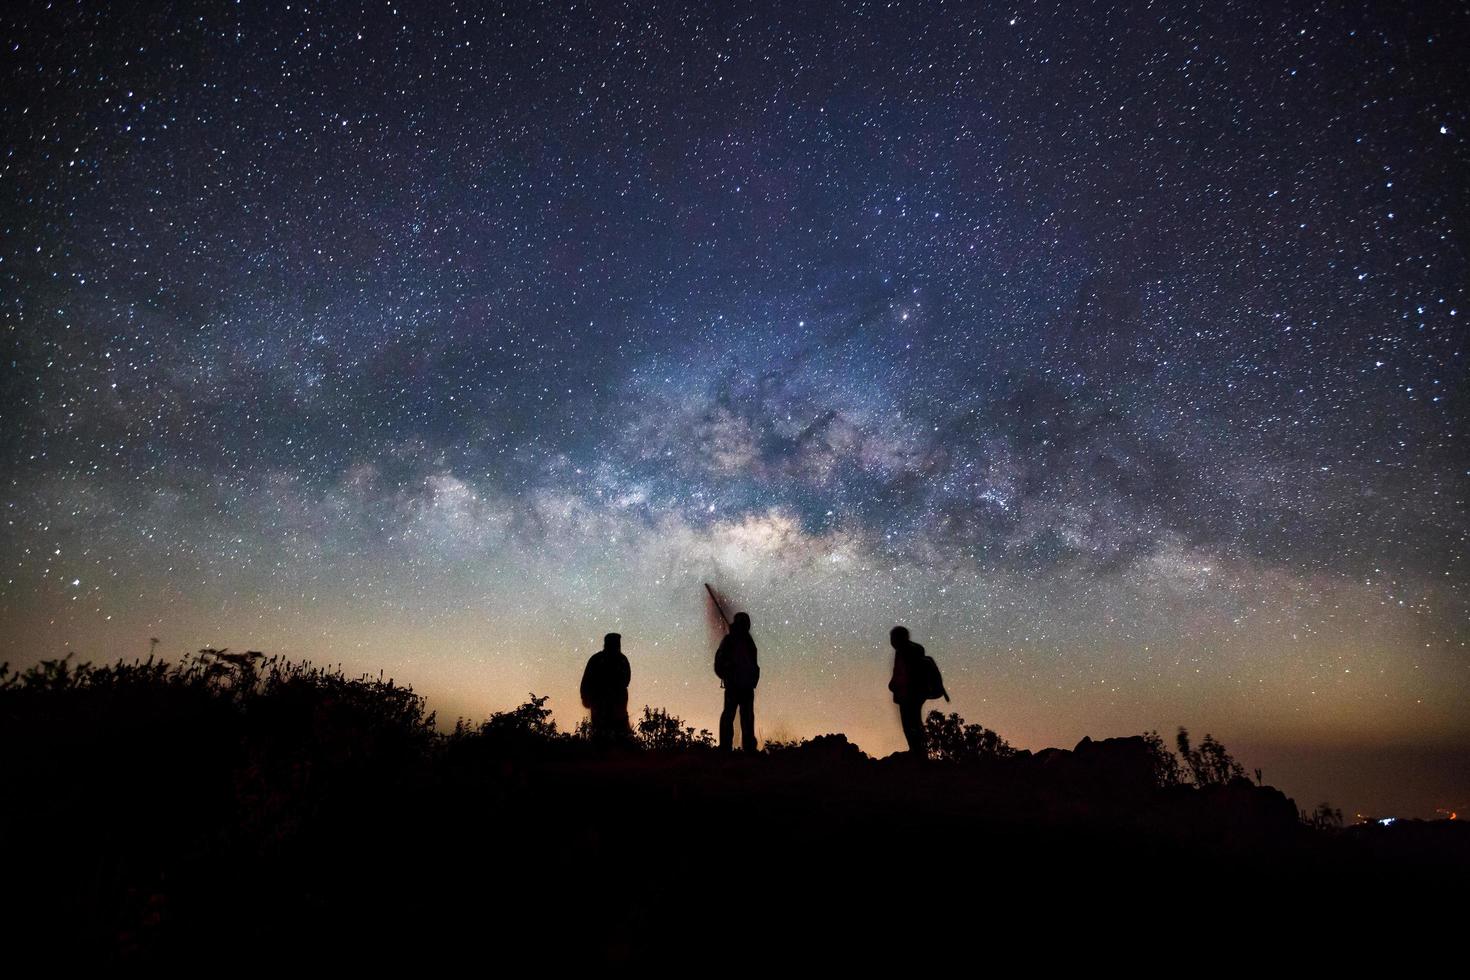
908 689
736 665
605 689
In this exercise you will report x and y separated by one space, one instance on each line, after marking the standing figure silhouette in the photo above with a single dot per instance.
736 665
908 689
605 689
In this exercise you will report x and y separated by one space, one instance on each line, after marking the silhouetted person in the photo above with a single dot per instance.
736 665
908 689
605 689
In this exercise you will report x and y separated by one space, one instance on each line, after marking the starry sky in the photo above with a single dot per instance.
1118 350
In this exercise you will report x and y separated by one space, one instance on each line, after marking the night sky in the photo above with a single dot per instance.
1118 351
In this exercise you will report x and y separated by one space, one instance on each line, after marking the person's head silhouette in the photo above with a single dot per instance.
741 623
898 636
613 643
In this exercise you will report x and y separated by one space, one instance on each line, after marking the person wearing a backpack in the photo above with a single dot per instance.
736 666
915 680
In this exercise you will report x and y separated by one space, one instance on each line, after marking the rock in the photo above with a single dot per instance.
1115 766
823 750
1242 808
1051 758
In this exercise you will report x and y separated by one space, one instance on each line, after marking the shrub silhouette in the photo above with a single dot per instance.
198 772
1210 764
293 700
776 746
1325 817
529 728
530 720
1167 769
951 740
661 731
526 731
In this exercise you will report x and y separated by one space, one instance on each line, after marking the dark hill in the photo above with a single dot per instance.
250 811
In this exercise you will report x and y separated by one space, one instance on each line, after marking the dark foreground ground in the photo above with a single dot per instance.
220 822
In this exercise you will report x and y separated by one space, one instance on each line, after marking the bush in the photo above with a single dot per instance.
664 732
951 740
530 720
1210 764
165 788
1167 770
776 746
1325 817
290 701
527 731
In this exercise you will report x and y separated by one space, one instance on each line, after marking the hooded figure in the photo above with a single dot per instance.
605 689
736 665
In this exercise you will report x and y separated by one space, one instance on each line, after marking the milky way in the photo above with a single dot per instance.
1117 351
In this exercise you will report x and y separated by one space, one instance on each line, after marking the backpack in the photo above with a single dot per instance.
930 684
735 663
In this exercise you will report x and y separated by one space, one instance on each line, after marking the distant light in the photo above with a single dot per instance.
1387 821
